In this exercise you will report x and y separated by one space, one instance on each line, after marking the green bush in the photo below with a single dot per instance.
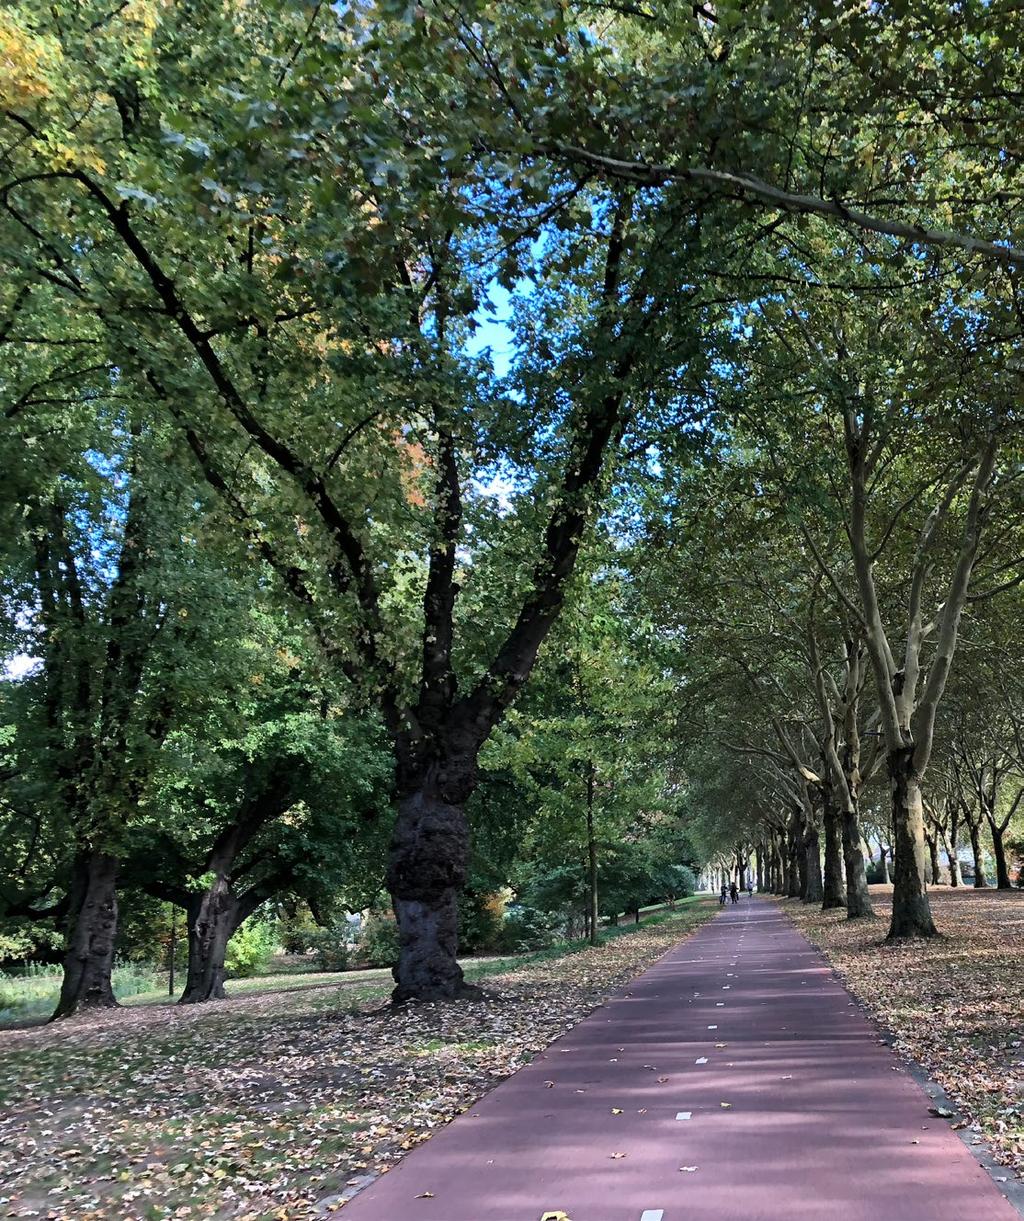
685 881
297 931
250 949
332 946
378 942
479 923
525 929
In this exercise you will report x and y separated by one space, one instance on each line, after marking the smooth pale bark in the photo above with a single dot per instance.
92 928
908 695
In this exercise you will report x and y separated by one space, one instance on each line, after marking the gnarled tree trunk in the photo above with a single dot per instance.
92 929
213 918
426 869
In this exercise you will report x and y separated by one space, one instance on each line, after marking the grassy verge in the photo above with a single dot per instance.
33 996
270 1105
954 1004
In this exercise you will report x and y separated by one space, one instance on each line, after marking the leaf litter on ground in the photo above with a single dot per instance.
273 1106
953 1004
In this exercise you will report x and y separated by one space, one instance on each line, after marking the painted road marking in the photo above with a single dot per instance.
684 1115
652 1214
701 1060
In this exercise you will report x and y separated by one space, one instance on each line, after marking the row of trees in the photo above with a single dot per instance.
757 331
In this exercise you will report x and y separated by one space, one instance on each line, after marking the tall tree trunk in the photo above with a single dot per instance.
833 891
591 860
858 897
974 830
760 867
797 862
213 918
426 870
999 852
933 856
801 867
91 931
951 841
813 888
911 911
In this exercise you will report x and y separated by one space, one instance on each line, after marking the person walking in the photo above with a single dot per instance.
723 896
734 892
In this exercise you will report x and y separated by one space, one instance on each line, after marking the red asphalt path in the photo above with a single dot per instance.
821 1120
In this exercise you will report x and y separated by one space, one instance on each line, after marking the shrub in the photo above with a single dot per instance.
332 946
250 949
685 881
378 942
298 931
480 919
525 929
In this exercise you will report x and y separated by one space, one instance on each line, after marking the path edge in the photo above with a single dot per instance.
1012 1187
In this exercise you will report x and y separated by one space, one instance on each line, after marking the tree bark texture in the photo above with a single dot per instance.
911 911
213 918
833 890
858 897
426 870
92 928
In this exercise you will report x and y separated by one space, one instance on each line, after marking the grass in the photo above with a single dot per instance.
32 993
267 1106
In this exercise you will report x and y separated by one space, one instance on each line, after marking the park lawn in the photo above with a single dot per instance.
954 1004
271 1105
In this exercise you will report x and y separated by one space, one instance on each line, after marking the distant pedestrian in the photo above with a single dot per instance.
750 888
723 896
734 893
